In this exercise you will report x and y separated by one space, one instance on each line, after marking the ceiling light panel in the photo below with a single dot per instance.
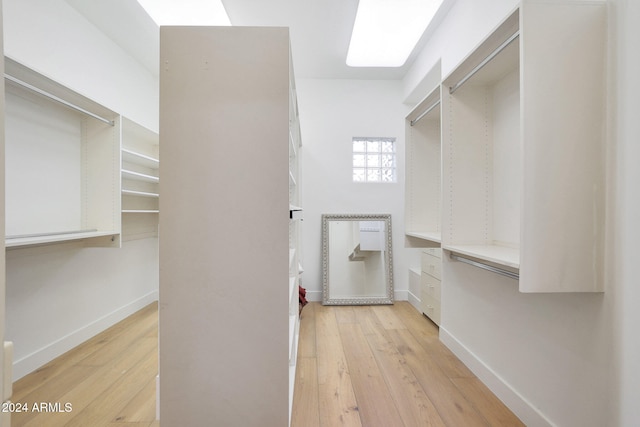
186 12
386 31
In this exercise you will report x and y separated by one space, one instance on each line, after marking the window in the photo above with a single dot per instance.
374 160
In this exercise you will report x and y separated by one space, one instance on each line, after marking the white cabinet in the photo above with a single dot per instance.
430 283
62 163
229 253
523 130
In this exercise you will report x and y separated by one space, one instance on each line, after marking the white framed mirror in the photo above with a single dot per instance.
357 260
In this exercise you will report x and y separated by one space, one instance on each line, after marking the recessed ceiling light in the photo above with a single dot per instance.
186 12
386 31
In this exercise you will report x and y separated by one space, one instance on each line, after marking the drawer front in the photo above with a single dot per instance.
431 265
430 285
436 252
431 308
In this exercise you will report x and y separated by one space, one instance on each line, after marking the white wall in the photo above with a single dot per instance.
332 112
566 359
59 295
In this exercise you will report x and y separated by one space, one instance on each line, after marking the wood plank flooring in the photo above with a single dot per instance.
385 366
357 366
109 380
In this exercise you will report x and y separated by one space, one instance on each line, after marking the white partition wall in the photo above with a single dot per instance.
224 252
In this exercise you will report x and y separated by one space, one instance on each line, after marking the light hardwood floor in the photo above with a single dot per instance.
357 366
109 380
385 366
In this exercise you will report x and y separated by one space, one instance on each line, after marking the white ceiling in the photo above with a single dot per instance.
320 31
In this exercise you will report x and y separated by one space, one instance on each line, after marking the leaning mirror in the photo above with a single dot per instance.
356 259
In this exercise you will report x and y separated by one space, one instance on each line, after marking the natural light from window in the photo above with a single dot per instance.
186 12
386 31
374 160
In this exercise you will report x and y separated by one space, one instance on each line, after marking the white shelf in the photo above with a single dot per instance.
293 152
140 211
15 242
501 255
139 158
292 179
139 193
128 174
292 258
294 322
431 236
294 298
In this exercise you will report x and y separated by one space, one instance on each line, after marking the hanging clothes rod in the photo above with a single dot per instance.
484 62
424 113
57 99
486 267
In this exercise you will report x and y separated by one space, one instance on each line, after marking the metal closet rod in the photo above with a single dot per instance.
484 62
486 267
427 111
59 100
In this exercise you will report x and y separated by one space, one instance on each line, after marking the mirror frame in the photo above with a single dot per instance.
326 299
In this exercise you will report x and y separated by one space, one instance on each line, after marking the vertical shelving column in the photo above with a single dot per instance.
295 217
481 145
423 181
140 181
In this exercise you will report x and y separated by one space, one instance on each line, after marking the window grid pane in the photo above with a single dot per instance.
374 160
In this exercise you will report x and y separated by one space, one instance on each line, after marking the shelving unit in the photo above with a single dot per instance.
140 180
423 178
62 155
518 113
482 151
295 218
230 267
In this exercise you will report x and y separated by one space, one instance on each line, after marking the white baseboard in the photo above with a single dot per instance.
523 409
315 296
401 295
49 352
414 301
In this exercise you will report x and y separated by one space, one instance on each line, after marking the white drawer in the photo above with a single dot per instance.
430 285
431 308
431 265
436 252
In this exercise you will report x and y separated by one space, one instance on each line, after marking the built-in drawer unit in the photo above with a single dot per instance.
430 282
